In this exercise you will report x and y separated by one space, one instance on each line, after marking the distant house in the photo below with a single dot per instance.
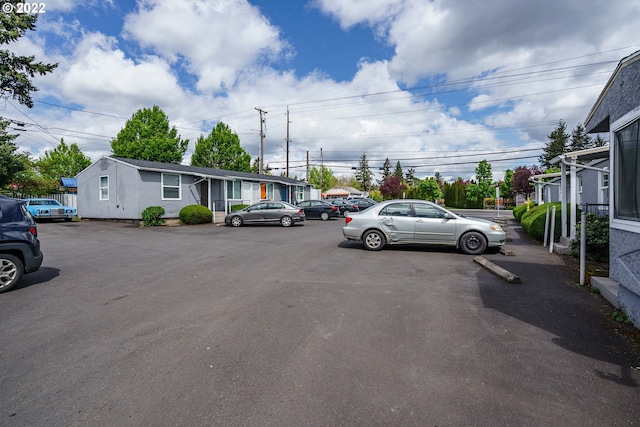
617 112
68 185
344 192
120 188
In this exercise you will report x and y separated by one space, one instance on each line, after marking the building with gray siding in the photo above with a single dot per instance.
121 188
617 112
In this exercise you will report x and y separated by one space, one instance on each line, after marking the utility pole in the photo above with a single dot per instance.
321 171
288 141
307 166
262 120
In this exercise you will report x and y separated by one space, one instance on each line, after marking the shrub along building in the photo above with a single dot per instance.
120 188
617 112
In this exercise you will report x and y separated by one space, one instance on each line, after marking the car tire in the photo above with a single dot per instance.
473 243
11 270
374 240
324 216
286 221
235 221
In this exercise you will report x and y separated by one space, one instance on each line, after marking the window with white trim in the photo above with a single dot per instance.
234 190
104 187
626 161
299 193
171 186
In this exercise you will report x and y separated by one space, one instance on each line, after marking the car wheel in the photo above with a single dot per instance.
236 221
286 221
374 240
324 216
11 270
473 243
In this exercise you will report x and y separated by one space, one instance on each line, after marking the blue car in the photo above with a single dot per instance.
49 209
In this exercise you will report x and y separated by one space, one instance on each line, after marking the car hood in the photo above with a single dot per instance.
478 220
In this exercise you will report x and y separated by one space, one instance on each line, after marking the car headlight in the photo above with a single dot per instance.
495 227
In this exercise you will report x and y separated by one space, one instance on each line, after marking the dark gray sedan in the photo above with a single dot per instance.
267 212
395 222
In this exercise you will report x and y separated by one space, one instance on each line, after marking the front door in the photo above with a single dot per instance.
431 225
204 193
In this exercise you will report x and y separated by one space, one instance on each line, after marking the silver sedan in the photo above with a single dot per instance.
395 222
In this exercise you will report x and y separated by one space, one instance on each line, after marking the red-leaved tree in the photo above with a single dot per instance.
521 183
393 187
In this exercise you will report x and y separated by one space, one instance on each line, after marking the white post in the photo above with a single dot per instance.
574 199
546 228
563 198
583 245
553 228
498 200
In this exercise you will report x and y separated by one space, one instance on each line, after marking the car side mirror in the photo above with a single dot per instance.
449 216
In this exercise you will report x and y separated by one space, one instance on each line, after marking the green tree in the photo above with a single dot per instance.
29 180
428 189
398 171
411 177
221 149
363 174
386 169
17 71
63 161
11 162
580 139
484 184
506 186
147 136
322 178
557 144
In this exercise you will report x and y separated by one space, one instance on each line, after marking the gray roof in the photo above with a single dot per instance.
222 174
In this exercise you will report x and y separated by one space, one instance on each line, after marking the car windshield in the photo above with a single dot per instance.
45 202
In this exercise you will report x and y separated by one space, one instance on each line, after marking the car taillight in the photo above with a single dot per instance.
347 219
334 208
34 231
301 211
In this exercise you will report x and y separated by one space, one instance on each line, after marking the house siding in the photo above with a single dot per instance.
134 185
619 99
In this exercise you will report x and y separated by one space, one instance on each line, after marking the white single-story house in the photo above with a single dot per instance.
121 188
617 112
586 185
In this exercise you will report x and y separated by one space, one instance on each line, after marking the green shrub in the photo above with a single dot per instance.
238 207
533 221
597 233
195 214
520 210
152 216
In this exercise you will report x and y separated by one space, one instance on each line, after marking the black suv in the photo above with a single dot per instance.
19 245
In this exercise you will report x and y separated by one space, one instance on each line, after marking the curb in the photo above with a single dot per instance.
497 270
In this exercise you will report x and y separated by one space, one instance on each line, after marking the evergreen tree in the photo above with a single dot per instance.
557 144
580 139
398 171
17 71
411 177
11 162
363 173
386 169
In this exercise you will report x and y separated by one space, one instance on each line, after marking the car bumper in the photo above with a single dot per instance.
496 238
351 233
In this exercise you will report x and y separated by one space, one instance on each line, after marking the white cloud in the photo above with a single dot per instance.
218 39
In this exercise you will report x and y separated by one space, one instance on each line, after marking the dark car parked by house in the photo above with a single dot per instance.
267 212
363 203
344 205
319 209
19 245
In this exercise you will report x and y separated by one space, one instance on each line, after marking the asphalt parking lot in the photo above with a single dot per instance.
270 326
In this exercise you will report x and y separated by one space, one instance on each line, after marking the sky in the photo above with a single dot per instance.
433 84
